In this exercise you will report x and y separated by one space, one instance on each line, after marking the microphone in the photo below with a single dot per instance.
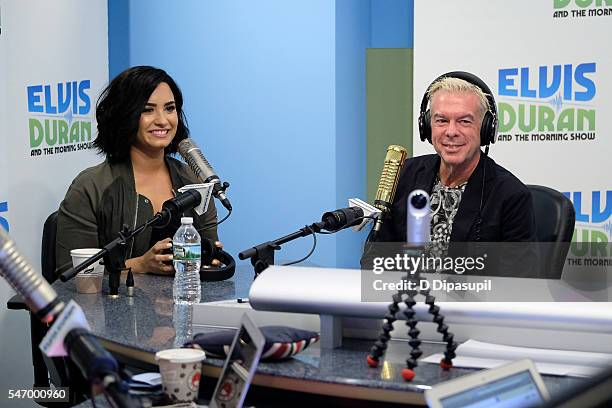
114 252
342 218
203 170
38 294
262 255
177 205
69 335
418 219
369 212
394 160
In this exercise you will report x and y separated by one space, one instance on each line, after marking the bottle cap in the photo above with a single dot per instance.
186 220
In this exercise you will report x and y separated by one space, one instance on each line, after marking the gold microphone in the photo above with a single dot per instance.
394 160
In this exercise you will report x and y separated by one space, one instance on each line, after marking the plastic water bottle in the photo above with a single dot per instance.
187 259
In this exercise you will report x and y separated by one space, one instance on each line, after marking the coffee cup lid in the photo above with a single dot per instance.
180 355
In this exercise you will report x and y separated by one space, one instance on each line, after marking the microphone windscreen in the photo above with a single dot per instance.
183 202
178 205
342 218
394 160
196 161
38 294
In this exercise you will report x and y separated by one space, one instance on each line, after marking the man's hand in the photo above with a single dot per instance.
153 260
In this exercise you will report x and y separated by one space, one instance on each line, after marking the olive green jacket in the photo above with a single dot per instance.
103 198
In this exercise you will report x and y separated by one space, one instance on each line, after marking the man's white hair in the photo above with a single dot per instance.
452 84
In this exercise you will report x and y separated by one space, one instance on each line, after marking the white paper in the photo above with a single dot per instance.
152 379
477 354
543 368
474 348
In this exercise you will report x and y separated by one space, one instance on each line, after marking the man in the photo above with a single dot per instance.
472 197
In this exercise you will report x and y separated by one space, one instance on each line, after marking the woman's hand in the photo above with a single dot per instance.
216 262
153 260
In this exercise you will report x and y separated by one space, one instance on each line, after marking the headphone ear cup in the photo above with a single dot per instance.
425 126
487 129
211 273
208 250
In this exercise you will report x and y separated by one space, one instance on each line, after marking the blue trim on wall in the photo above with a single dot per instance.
392 23
352 39
118 36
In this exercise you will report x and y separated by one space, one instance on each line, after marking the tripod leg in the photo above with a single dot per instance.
379 348
408 372
447 362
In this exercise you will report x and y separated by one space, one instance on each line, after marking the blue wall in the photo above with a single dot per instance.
118 35
275 96
352 38
392 23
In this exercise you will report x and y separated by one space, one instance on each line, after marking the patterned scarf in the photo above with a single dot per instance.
444 205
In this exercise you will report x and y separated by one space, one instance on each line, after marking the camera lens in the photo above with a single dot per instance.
418 201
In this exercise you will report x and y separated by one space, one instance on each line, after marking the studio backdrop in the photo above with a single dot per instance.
549 66
53 64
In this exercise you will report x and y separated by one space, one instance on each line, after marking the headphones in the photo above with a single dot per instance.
488 128
214 273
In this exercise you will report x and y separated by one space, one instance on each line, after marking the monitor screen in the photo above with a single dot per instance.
235 379
514 391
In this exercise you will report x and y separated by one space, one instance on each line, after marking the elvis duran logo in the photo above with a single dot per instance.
547 103
3 221
581 8
60 117
593 222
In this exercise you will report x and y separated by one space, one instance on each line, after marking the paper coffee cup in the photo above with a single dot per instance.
89 283
180 370
81 255
88 280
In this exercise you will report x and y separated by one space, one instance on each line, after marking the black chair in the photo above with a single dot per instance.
555 219
56 368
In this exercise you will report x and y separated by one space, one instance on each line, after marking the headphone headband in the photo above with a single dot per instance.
212 273
488 128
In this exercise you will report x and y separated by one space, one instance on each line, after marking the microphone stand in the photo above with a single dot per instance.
114 254
262 255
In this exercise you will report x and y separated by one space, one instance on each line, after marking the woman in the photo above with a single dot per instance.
140 123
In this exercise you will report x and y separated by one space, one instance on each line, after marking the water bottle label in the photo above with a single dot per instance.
187 252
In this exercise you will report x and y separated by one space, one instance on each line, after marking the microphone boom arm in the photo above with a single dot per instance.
262 255
114 253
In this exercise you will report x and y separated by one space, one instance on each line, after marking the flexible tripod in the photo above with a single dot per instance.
407 297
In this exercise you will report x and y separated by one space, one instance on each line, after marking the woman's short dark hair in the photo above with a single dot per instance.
119 108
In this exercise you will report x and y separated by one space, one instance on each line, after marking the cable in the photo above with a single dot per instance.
366 216
224 218
478 223
314 245
207 227
314 236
